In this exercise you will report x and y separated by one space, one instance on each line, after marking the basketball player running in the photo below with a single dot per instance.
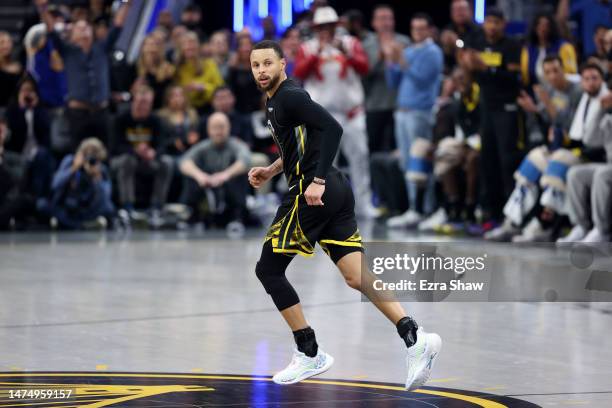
319 207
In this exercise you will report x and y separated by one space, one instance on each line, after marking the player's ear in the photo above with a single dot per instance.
283 62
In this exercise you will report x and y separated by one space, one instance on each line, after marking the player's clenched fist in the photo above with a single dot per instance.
313 194
259 175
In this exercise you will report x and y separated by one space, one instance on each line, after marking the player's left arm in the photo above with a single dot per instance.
301 109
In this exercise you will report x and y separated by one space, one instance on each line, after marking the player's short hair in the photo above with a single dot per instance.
553 58
267 44
590 65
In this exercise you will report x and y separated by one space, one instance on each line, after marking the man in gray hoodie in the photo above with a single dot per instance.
592 184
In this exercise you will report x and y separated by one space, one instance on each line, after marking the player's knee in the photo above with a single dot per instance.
272 281
353 280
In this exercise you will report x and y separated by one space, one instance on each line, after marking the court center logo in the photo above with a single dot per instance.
95 389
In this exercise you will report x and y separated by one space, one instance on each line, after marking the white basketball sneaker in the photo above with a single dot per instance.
421 358
302 367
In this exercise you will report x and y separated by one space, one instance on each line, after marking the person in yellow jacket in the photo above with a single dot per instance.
199 76
543 40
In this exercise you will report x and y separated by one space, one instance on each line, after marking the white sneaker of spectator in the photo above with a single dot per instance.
575 235
534 232
369 212
503 233
434 220
408 219
595 236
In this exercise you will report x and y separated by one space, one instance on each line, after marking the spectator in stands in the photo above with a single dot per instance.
10 69
216 170
153 69
199 76
456 159
331 65
462 22
165 20
240 126
220 50
29 124
137 151
380 100
494 59
269 28
355 25
590 185
87 71
240 78
191 18
172 49
81 190
15 205
46 65
417 70
181 122
599 39
590 14
290 43
534 208
543 40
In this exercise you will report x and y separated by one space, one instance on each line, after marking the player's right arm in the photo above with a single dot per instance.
259 175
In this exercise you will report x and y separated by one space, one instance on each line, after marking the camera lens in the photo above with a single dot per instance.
92 160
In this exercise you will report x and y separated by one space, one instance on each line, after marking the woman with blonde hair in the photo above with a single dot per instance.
199 76
153 68
180 121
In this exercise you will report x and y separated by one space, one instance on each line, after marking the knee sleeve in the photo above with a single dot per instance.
270 271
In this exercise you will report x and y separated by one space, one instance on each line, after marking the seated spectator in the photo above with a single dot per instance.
15 205
10 69
225 102
240 78
543 40
84 59
28 123
137 152
589 186
216 170
46 65
180 121
220 50
199 76
533 210
456 159
81 189
153 68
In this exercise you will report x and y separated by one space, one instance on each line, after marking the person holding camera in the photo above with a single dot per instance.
81 189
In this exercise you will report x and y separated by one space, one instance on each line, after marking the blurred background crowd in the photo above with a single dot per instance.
495 122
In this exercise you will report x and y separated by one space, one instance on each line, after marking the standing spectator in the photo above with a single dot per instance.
494 59
331 65
290 43
599 39
269 28
137 152
380 99
191 18
199 76
224 101
88 74
45 64
181 122
462 22
220 50
355 26
10 69
172 49
216 170
417 70
590 185
544 40
240 78
153 68
81 189
28 123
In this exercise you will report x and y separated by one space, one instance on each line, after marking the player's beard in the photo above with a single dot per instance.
273 82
